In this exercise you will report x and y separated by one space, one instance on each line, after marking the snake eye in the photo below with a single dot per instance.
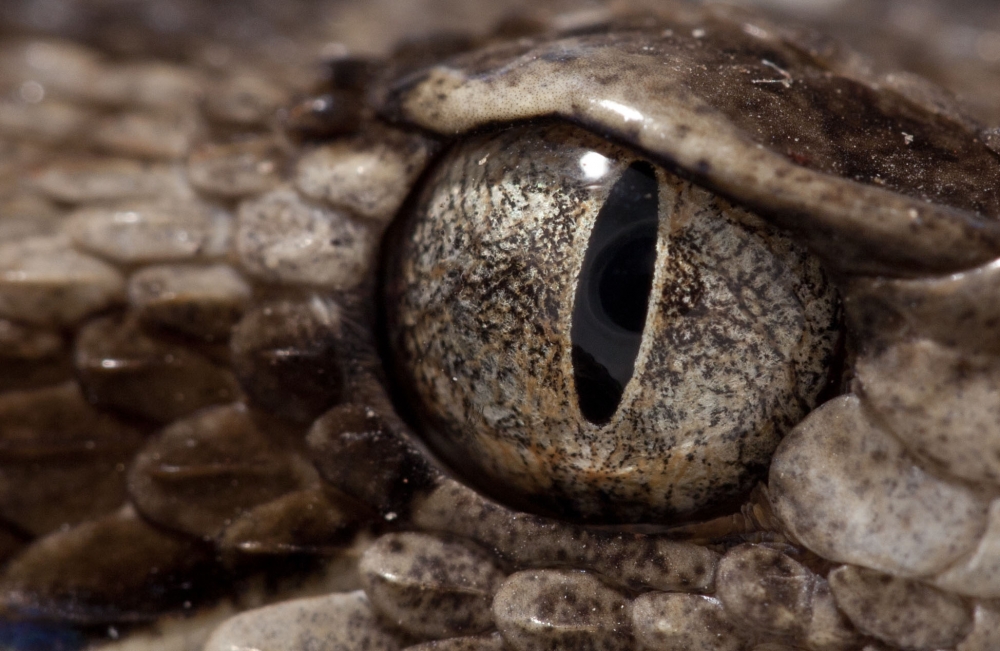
584 334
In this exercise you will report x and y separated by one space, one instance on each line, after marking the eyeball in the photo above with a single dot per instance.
582 333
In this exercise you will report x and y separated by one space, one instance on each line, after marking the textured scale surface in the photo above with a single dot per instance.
231 238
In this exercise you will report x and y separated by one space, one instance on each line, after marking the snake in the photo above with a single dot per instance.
524 326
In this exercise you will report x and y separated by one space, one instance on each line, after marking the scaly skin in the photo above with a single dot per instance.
193 395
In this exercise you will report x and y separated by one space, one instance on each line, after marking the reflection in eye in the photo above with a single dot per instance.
586 335
594 165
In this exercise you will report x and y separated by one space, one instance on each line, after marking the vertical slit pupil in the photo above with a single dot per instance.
612 294
623 286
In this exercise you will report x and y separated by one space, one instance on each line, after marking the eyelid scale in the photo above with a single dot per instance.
842 190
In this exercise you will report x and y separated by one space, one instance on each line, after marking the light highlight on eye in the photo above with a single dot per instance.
594 165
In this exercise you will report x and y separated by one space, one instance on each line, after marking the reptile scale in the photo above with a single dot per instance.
499 326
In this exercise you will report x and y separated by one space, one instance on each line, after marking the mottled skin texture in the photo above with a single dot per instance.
901 185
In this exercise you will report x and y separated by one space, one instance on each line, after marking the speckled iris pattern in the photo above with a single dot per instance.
737 340
647 328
